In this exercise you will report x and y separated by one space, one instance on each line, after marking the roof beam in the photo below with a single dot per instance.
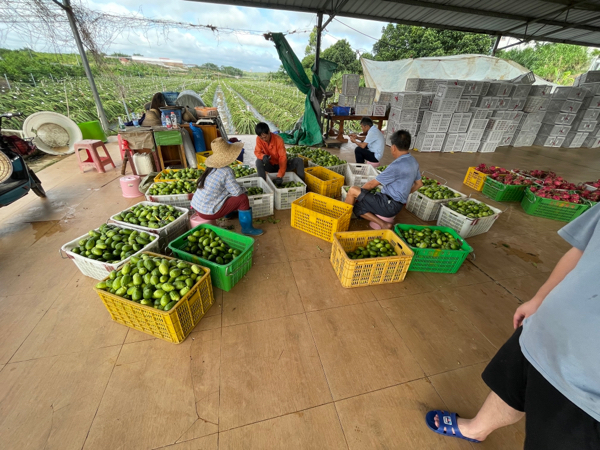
488 13
585 6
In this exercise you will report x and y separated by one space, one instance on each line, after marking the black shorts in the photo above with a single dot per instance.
552 421
379 204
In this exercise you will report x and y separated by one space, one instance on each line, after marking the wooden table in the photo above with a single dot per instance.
377 120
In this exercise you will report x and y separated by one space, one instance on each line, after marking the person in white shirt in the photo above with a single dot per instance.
370 147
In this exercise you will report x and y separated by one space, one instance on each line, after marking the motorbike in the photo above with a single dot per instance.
22 179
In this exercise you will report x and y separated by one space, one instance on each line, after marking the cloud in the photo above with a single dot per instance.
247 50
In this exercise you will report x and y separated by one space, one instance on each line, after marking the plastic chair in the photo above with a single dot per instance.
196 220
385 219
91 147
373 164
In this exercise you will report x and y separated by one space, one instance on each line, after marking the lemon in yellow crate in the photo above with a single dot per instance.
158 295
320 216
370 268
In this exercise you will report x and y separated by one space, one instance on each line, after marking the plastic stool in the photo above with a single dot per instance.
95 160
385 219
373 164
196 220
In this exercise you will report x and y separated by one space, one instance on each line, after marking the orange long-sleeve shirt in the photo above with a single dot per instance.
275 149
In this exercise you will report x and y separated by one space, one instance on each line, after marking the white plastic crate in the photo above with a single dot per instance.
474 135
426 208
503 102
512 128
475 87
411 127
463 105
592 76
166 234
587 126
559 118
575 140
594 88
488 147
412 84
534 104
591 114
578 93
526 78
485 88
531 128
478 124
447 91
516 103
521 91
426 100
515 116
435 122
524 139
492 136
561 92
497 124
406 100
286 196
507 140
471 146
367 92
430 142
534 117
500 89
548 141
395 114
385 97
363 110
420 115
359 174
464 226
444 105
347 100
541 90
570 106
488 103
408 115
100 269
181 200
595 103
427 85
454 142
592 142
460 122
261 204
479 114
554 130
350 83
380 110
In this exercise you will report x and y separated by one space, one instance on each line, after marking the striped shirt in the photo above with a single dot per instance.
219 185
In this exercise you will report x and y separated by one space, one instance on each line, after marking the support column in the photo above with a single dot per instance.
495 49
318 51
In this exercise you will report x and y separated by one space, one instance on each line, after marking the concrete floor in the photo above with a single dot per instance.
286 360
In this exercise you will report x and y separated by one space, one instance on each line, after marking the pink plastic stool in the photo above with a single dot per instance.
130 186
94 160
373 164
196 220
385 219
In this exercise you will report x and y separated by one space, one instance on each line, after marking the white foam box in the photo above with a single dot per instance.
406 100
541 90
448 91
364 100
484 89
444 105
578 93
471 146
454 142
524 139
549 129
559 118
460 122
575 139
434 122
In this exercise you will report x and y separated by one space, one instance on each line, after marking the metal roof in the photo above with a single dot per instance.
565 21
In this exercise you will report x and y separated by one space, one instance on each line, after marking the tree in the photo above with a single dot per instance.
342 54
558 63
404 41
308 61
311 48
210 66
122 54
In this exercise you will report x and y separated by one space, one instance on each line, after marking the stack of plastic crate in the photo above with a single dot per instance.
350 83
364 101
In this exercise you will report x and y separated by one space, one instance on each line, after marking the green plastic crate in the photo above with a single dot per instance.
551 209
224 276
435 259
502 192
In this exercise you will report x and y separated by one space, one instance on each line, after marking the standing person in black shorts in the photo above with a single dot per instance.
399 179
549 370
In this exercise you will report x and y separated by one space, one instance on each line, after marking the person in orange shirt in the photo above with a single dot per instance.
271 156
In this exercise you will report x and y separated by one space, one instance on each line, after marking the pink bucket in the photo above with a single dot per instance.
385 219
373 164
130 186
196 220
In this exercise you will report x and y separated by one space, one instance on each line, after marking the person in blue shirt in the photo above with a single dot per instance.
398 181
370 147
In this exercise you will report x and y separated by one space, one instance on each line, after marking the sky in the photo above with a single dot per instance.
247 51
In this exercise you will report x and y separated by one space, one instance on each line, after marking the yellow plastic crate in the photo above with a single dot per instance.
367 272
157 178
323 181
201 156
173 325
475 179
320 216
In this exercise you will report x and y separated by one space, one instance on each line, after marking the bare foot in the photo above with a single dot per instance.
387 226
463 426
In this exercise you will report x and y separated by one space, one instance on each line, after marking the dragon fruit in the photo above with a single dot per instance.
594 184
592 196
491 170
515 180
558 194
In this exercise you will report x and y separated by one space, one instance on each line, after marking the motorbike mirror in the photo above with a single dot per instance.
9 115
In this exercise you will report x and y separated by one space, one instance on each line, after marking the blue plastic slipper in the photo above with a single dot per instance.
448 425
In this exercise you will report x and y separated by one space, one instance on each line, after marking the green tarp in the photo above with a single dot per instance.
310 131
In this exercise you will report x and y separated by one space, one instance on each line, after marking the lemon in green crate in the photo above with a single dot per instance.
206 244
428 238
